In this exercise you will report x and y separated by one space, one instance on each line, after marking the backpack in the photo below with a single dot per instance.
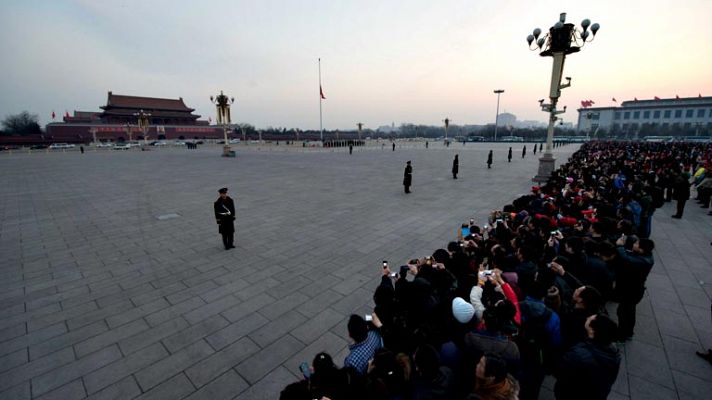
533 339
636 210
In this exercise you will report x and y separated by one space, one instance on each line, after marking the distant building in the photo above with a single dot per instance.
82 117
169 119
387 129
530 124
120 109
506 119
659 114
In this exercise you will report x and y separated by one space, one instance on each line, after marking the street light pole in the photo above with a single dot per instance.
496 118
563 38
360 126
447 124
223 103
589 117
143 124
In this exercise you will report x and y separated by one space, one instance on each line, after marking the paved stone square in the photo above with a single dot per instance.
104 294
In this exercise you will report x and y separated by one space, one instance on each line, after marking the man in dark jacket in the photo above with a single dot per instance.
509 155
632 270
432 381
224 209
407 176
455 167
589 369
681 192
489 160
539 338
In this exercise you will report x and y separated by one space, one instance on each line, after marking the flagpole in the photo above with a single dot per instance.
321 127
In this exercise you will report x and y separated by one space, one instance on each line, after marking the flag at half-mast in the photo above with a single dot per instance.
321 93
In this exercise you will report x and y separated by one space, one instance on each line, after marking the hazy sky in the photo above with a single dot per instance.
382 61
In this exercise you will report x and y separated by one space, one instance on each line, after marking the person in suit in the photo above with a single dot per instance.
489 160
224 209
407 176
524 151
455 167
509 155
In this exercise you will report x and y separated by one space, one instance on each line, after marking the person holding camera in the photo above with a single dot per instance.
224 209
633 268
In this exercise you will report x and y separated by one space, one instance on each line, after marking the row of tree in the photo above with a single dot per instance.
24 124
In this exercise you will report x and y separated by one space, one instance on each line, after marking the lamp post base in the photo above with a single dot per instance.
547 163
227 152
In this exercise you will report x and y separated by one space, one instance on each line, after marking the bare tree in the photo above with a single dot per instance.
21 124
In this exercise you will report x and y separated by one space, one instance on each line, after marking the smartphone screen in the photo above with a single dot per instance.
304 367
465 231
368 318
385 264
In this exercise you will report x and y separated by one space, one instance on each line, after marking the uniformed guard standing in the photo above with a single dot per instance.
224 209
407 176
455 167
524 151
509 155
489 160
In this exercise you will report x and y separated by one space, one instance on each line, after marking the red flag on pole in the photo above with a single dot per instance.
583 104
699 95
656 98
677 97
321 93
614 100
66 114
635 99
592 102
53 115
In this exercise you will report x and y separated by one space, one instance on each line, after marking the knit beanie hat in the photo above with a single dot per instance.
462 310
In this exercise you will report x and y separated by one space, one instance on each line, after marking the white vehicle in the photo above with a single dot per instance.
122 146
161 143
179 143
133 144
56 146
234 141
104 144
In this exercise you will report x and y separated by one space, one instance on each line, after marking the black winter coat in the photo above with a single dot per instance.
587 371
224 214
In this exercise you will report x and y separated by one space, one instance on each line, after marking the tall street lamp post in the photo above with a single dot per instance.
590 116
496 118
563 38
93 134
128 131
447 124
222 104
360 126
143 124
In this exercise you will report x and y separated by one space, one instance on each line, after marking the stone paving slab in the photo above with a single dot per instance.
102 298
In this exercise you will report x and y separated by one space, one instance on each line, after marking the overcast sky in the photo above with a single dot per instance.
383 61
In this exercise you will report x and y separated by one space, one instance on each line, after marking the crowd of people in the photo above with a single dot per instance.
524 295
